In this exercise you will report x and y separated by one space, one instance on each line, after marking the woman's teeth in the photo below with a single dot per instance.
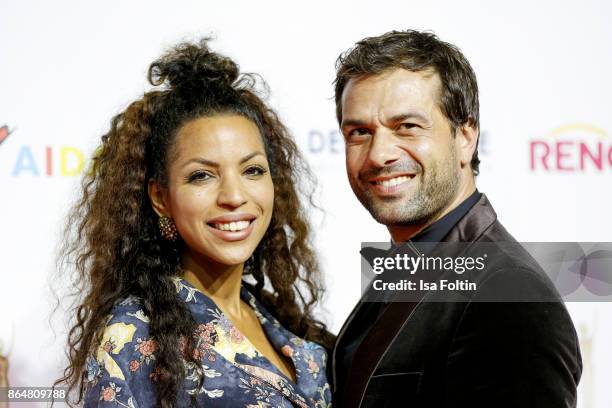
392 182
232 226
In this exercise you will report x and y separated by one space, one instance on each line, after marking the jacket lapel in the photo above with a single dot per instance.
396 315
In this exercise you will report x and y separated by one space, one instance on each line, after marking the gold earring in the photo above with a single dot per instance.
167 228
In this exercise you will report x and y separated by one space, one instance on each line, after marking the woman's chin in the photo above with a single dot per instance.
217 258
232 258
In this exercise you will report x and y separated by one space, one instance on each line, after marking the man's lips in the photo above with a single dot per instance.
390 176
390 184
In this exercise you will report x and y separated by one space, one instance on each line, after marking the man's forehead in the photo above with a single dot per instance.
393 89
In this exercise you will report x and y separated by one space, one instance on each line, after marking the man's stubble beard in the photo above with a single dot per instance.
437 188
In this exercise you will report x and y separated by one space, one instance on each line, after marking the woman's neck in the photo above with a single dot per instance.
219 282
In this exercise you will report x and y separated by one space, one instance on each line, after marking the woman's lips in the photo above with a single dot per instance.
232 228
231 217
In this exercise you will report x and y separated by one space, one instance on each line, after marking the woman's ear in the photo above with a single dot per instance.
158 197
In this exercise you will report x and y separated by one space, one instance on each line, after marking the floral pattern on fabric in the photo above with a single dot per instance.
123 373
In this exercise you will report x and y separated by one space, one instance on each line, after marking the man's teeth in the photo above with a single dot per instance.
392 182
232 226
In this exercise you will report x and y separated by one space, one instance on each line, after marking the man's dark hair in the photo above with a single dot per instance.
416 51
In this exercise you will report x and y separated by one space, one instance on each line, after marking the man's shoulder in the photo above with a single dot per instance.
511 270
507 251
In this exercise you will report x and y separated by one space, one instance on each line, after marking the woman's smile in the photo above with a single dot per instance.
232 227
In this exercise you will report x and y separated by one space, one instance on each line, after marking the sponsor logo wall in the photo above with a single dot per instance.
545 147
572 148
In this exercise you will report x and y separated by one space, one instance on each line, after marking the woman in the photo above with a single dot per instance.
192 190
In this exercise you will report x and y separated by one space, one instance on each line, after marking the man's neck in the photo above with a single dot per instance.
402 233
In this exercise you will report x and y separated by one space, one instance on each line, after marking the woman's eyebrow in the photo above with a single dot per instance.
250 156
211 163
203 161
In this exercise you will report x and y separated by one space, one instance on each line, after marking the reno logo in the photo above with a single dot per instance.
5 133
573 148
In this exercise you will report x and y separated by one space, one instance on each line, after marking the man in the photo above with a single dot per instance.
407 104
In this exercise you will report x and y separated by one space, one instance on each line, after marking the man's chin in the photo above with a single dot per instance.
388 216
398 215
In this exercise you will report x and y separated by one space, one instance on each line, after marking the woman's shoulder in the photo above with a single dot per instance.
126 320
129 310
126 334
122 367
125 354
126 343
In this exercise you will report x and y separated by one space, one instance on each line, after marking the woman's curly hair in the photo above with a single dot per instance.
113 242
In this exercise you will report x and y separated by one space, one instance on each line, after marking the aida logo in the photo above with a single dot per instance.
572 148
5 133
38 161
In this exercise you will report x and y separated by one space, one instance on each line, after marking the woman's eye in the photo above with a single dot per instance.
255 171
199 176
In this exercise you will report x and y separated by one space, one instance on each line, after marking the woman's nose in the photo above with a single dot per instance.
231 192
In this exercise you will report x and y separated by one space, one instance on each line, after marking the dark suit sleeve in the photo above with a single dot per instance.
514 354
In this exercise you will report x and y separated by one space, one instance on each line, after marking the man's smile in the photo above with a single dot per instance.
390 185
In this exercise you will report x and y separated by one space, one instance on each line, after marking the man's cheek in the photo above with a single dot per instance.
351 168
354 160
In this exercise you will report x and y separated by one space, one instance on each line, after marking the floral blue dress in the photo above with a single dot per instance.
235 374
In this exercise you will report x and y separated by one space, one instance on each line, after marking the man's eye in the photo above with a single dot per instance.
255 171
407 126
199 176
360 131
357 133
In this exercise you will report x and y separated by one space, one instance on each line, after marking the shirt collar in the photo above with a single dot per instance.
204 311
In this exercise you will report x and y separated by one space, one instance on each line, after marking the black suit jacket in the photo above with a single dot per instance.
468 353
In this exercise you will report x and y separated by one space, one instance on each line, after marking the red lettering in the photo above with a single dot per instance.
563 155
49 160
597 159
542 157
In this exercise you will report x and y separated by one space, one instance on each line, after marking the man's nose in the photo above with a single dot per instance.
383 151
231 192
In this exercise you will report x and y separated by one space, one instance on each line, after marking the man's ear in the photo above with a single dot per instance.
159 199
467 142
